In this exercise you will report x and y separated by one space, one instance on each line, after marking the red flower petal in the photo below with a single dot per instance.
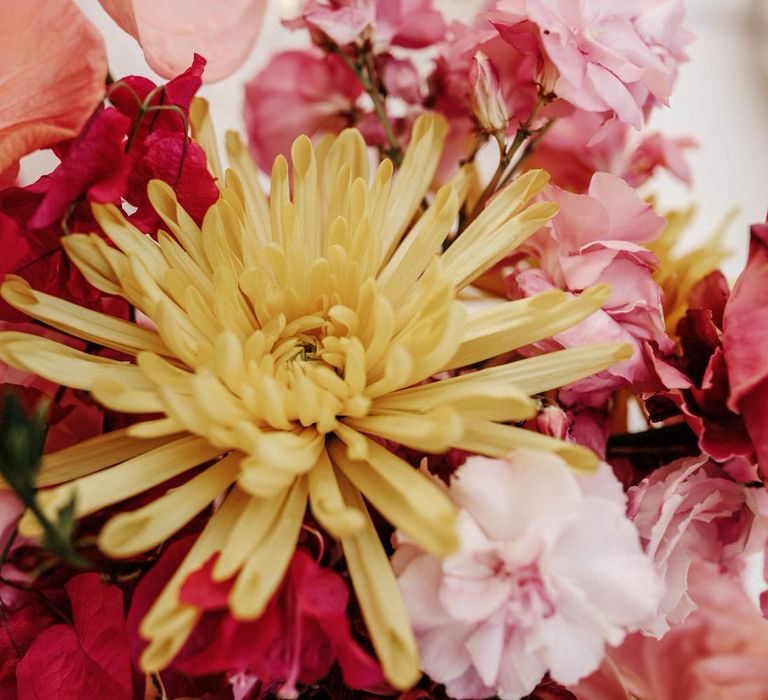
128 93
95 165
745 326
89 660
182 163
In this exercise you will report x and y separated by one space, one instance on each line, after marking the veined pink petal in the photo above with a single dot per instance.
54 67
172 31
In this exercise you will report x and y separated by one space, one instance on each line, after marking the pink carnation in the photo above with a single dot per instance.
718 653
539 583
618 58
689 511
597 238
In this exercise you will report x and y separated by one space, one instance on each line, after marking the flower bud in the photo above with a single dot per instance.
487 97
551 420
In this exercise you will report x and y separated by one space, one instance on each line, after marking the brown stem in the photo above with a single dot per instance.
365 70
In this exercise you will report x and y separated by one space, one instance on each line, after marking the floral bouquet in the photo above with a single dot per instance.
411 394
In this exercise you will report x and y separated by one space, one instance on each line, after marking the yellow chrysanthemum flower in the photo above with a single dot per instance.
287 331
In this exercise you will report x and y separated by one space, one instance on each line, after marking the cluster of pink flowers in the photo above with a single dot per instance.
624 584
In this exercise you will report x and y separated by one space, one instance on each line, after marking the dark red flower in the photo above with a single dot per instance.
697 382
129 93
745 330
175 159
302 632
94 166
88 659
19 627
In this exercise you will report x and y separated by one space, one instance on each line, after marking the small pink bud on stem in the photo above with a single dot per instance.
487 97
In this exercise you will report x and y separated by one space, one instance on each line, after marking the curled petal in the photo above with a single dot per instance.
171 32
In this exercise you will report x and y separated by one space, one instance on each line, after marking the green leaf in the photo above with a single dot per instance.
21 447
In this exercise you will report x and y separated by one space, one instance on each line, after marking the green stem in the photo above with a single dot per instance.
366 73
501 177
530 147
505 155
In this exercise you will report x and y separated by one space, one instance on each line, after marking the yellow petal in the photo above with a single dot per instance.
535 375
467 259
405 497
92 455
129 478
482 400
264 569
64 365
327 502
433 431
377 591
81 322
496 440
413 178
514 324
129 534
203 133
169 622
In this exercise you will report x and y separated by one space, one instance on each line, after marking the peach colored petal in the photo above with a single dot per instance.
54 67
172 31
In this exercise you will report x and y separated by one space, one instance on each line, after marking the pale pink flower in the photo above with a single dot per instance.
172 31
298 92
609 56
718 653
539 583
597 238
413 24
451 92
581 144
341 21
689 511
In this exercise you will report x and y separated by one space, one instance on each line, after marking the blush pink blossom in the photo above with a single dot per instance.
412 24
488 101
539 583
450 86
690 511
718 653
581 144
172 31
298 92
609 57
597 238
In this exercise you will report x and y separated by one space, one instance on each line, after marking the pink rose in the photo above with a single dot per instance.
609 57
597 238
718 653
689 511
538 584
